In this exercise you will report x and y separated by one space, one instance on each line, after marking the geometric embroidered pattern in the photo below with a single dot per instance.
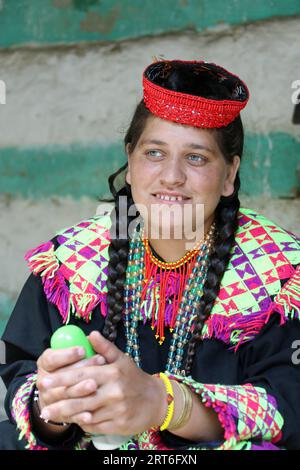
263 258
76 281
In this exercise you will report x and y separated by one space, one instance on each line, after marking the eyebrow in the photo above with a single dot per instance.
190 145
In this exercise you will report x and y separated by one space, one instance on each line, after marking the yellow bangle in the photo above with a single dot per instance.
170 401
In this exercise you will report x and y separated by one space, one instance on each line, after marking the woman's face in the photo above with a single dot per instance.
183 161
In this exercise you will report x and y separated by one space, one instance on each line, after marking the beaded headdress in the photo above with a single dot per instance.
198 109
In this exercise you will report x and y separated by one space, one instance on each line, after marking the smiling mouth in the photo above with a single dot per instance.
171 199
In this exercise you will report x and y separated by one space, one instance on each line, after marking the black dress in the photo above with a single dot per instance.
269 361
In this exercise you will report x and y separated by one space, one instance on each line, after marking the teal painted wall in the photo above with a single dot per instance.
73 21
6 307
74 170
269 167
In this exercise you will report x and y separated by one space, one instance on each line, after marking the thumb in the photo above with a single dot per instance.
104 347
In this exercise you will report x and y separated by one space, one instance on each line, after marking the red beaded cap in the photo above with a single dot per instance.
191 109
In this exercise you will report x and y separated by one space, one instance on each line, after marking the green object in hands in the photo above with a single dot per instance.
69 336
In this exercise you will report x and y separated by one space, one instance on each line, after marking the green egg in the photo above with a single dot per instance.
69 336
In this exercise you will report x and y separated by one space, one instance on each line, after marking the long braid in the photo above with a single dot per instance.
118 260
226 218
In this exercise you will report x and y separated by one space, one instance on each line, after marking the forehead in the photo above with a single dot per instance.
173 133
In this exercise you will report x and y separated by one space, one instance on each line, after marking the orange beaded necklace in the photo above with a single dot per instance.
162 277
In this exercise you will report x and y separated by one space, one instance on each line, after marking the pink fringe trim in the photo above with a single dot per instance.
42 260
287 301
239 328
84 304
58 293
236 329
225 419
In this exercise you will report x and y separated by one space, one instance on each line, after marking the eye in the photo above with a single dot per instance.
197 158
151 153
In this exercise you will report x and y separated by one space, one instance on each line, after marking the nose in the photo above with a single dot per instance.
172 174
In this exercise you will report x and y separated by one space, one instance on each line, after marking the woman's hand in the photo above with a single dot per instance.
125 400
63 361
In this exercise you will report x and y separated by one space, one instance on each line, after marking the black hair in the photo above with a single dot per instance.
230 140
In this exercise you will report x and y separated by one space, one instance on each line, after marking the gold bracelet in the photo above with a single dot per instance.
170 401
186 411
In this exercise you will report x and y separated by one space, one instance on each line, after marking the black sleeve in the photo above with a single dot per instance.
26 336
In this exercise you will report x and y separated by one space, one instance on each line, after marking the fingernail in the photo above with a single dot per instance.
86 418
45 414
47 382
96 333
100 360
80 352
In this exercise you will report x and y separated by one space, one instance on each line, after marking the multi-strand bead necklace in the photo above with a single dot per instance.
144 267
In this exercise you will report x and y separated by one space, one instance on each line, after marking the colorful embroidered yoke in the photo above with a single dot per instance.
253 286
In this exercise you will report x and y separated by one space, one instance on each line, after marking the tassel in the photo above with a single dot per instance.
57 292
287 301
235 329
42 260
162 285
103 306
240 328
84 305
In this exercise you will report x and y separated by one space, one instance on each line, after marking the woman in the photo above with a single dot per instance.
211 329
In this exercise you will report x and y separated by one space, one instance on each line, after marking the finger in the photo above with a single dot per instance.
65 409
104 347
94 417
81 419
108 407
50 396
52 360
101 398
83 389
84 421
53 395
87 420
95 360
91 361
101 374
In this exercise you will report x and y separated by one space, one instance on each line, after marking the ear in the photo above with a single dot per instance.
233 168
128 177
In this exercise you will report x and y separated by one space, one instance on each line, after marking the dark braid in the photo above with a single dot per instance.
118 259
226 218
230 141
119 247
